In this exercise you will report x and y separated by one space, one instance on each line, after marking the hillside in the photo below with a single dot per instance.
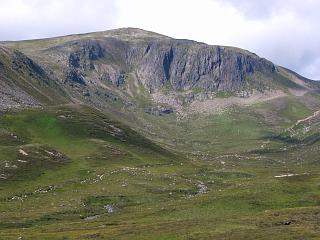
129 134
24 83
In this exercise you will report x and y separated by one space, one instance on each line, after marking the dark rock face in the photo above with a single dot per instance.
187 64
84 55
21 62
74 76
167 60
181 64
82 59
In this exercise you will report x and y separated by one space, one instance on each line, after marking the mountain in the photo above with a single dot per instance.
130 134
105 63
131 73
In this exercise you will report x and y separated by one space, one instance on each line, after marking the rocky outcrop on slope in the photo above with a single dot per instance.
12 97
24 83
179 64
81 60
84 59
159 110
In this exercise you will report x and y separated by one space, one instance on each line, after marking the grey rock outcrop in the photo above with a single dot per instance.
84 58
81 60
186 64
25 83
159 110
179 64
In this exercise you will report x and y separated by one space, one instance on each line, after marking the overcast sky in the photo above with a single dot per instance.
284 31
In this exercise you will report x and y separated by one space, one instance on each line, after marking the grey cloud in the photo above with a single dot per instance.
292 44
299 55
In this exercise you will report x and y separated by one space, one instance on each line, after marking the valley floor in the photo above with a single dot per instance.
74 173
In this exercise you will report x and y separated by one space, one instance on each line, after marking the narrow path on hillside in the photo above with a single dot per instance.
315 114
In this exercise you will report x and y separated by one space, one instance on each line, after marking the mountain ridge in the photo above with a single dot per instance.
111 62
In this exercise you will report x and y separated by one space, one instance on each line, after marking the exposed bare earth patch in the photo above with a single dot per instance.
297 92
215 105
315 114
290 175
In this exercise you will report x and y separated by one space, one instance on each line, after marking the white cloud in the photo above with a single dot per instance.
282 31
24 19
202 20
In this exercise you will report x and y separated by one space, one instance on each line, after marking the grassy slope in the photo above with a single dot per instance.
154 193
78 162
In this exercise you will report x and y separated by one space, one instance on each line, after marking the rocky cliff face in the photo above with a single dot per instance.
181 64
81 59
185 65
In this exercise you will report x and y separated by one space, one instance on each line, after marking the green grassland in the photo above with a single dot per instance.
62 169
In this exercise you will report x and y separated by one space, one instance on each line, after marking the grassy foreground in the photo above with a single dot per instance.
74 173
